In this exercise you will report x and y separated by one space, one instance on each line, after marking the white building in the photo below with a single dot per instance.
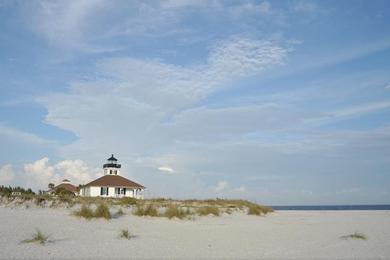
112 184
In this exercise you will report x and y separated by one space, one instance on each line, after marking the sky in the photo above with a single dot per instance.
279 102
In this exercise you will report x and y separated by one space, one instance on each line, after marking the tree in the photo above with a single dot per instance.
50 186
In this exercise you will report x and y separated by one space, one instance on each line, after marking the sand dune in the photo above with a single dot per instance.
283 234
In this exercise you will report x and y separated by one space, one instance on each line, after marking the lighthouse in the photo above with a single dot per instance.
112 184
112 167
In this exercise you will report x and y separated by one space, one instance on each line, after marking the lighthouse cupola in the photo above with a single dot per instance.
112 166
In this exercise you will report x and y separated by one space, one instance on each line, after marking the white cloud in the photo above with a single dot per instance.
166 169
151 99
241 189
40 173
306 6
263 8
349 112
6 174
83 25
221 186
66 23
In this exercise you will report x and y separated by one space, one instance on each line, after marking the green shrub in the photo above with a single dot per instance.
38 237
63 192
148 210
208 210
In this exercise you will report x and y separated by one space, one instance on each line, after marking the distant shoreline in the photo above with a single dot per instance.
334 207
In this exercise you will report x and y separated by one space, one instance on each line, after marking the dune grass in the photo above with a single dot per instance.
38 237
208 210
175 211
155 207
85 212
125 234
101 211
126 201
119 212
254 209
146 210
355 235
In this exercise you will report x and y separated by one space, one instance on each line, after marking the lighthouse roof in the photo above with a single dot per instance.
114 181
112 158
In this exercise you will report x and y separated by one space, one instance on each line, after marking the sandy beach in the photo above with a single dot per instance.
282 234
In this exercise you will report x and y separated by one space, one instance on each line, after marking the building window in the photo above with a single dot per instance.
104 191
120 191
110 171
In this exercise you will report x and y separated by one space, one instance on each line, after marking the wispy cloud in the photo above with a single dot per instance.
221 186
166 169
6 174
15 134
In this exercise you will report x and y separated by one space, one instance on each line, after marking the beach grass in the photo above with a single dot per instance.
355 235
146 210
85 212
254 209
126 201
119 212
38 237
208 210
125 234
155 207
101 211
175 211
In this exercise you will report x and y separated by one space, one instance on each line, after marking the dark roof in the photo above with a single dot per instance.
67 186
111 165
114 180
112 158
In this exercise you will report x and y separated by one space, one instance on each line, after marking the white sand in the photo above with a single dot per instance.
284 234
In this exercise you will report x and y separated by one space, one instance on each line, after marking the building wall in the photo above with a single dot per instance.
115 171
95 192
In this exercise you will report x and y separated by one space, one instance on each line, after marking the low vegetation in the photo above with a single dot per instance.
119 213
146 210
355 235
38 237
158 207
175 211
126 202
208 210
101 211
125 234
254 209
8 191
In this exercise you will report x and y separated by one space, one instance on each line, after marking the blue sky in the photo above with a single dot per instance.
281 102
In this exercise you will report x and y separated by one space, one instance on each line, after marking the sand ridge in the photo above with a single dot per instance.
282 234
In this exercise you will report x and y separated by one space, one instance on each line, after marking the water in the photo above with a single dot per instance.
334 207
